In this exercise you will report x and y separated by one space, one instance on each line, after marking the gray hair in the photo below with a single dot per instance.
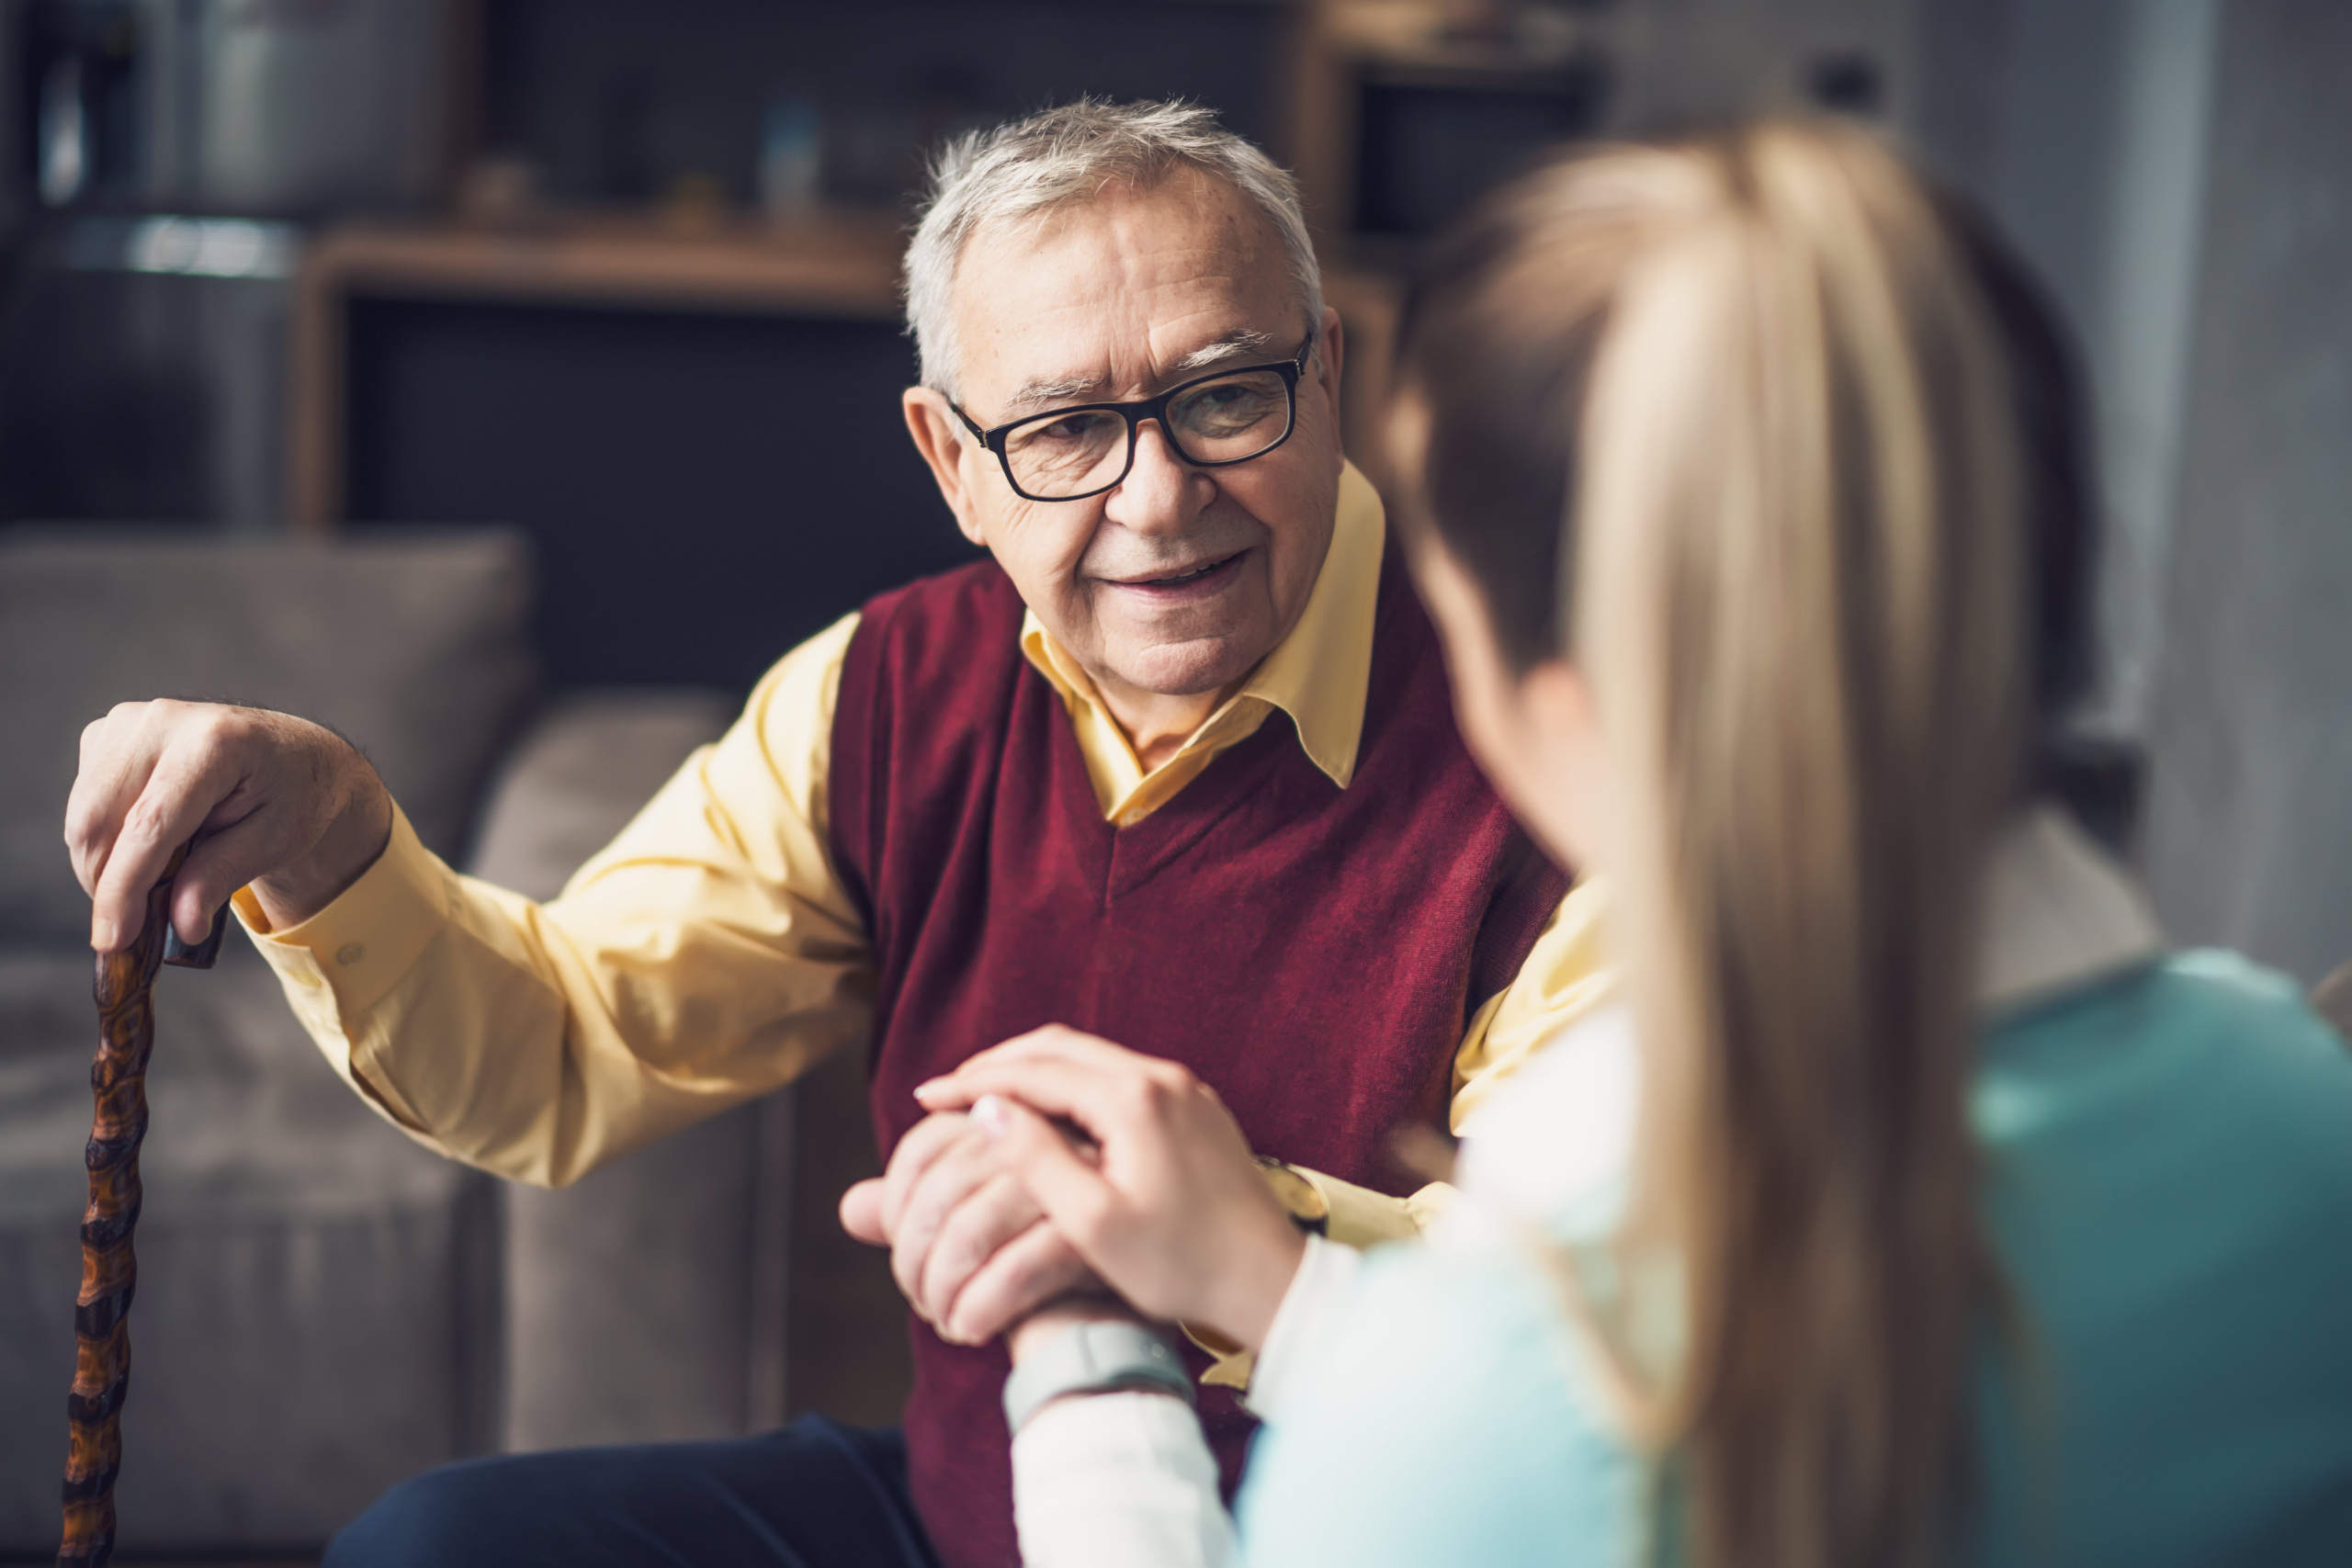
1064 155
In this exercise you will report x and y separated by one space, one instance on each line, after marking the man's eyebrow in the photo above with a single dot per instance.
1234 345
1030 394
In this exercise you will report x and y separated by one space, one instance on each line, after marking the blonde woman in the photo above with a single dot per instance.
1916 1205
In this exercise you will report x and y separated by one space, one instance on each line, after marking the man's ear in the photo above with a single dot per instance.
1329 353
939 437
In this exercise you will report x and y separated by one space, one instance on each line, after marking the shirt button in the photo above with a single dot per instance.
350 952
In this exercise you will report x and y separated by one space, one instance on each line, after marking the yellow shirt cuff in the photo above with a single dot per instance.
360 946
1233 1364
347 957
1360 1217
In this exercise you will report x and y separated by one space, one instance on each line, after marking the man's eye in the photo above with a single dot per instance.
1229 406
1077 427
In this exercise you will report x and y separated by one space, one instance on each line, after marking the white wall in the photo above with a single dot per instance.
2249 832
2083 126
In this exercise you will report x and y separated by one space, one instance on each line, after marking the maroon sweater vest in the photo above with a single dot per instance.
1311 951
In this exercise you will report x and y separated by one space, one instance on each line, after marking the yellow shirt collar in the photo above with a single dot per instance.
1318 676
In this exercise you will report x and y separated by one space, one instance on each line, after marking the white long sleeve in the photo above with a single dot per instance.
1118 1479
1128 1479
1316 1297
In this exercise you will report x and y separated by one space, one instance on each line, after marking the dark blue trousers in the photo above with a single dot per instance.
816 1495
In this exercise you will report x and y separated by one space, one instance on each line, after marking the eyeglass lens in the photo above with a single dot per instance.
1223 420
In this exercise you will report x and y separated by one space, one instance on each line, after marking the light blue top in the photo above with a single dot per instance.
2169 1186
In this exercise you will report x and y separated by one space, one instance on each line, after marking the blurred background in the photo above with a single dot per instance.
548 350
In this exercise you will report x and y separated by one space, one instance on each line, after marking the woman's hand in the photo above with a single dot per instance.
1176 1217
969 1244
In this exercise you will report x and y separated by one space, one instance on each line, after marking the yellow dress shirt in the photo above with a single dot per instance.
709 955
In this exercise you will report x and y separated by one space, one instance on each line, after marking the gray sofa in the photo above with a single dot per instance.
323 1305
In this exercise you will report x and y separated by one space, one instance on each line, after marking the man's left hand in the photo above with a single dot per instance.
969 1245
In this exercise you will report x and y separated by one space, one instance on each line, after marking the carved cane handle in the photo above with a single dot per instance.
125 990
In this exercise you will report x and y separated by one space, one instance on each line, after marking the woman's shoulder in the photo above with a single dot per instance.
2204 1035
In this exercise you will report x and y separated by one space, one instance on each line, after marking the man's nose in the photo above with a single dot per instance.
1163 493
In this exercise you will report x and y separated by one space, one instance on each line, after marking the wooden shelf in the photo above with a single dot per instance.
839 265
844 266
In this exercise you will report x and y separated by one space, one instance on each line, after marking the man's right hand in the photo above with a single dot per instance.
283 805
969 1245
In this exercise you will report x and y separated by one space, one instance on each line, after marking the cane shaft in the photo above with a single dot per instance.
125 992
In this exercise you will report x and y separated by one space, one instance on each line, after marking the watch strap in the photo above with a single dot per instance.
1093 1358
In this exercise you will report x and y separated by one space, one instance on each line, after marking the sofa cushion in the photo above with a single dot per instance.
316 1316
589 760
645 1301
413 644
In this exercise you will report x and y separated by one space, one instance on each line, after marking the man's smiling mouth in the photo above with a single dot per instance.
1183 579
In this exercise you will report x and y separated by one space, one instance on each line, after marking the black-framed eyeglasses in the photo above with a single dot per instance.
1213 422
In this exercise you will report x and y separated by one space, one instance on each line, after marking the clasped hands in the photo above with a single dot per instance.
1059 1176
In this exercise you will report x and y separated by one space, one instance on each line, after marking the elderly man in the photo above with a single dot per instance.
1176 768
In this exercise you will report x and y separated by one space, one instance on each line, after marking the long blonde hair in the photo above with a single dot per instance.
1780 424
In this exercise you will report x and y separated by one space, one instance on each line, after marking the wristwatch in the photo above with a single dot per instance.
1093 1358
1309 1210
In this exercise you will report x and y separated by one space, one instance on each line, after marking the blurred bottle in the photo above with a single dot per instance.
792 158
65 150
500 191
249 106
79 60
297 105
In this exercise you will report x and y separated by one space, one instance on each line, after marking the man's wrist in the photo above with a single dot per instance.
353 841
1024 1338
1087 1357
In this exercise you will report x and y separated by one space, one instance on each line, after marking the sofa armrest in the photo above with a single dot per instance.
580 773
646 1302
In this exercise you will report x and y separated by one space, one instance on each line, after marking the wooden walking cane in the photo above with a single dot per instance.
125 987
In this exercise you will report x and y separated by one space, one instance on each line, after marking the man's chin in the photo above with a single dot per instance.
1189 667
